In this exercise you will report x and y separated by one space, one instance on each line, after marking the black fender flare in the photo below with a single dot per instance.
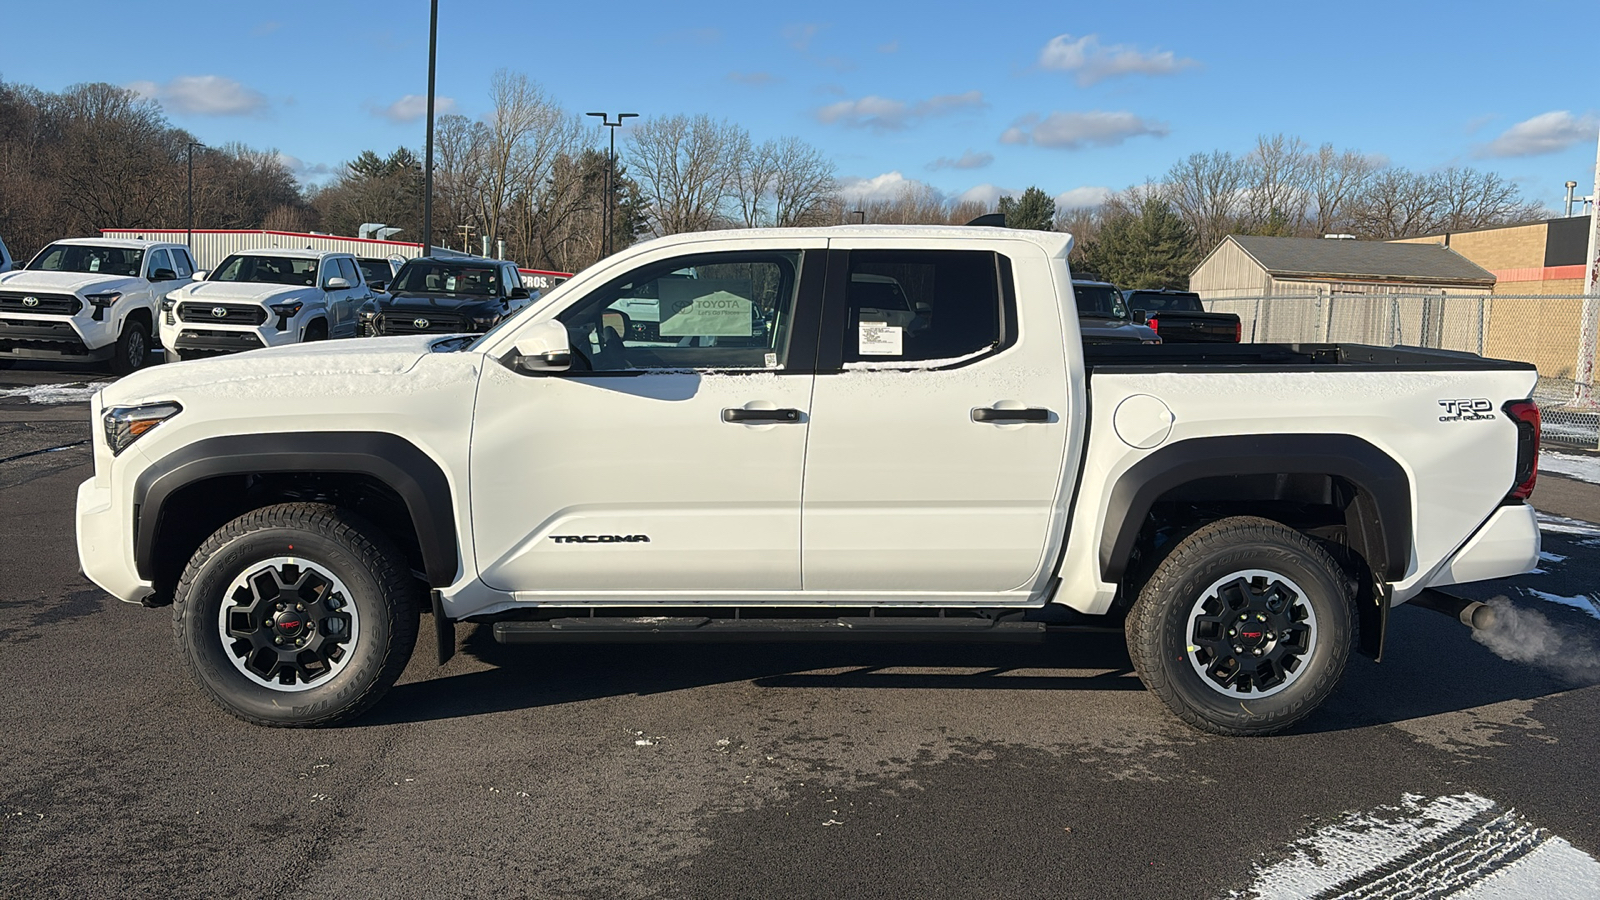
1346 456
392 460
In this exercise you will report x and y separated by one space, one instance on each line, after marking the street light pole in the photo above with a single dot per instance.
189 228
608 214
427 162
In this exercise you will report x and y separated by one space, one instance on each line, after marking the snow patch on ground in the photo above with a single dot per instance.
54 393
1461 846
1564 525
1581 601
1583 468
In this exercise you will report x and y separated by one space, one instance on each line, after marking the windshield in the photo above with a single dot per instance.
1174 302
121 261
449 278
1099 300
286 270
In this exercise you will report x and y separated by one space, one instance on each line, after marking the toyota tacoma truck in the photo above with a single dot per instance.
264 298
1249 514
89 300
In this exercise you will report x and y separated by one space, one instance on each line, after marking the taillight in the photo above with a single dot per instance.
1155 325
1526 414
1238 331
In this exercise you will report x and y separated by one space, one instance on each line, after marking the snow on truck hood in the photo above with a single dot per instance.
67 282
247 291
379 366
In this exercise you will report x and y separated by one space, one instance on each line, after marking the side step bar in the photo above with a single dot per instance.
602 629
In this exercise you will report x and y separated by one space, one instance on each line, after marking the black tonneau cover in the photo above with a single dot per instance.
1131 358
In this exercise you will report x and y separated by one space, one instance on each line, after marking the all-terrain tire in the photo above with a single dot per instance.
132 351
316 331
378 603
1172 626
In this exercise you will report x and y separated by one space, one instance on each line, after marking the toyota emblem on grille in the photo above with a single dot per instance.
30 301
421 324
220 312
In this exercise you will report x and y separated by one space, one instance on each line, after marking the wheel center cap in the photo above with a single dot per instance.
289 623
1252 633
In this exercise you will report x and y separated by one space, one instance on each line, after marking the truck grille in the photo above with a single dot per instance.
55 304
396 322
232 313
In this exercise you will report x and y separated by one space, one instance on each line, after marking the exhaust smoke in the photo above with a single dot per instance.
1522 635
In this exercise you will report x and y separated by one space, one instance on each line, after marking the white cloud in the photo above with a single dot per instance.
305 172
203 95
1094 62
971 159
799 36
890 47
888 114
889 186
412 107
754 79
986 194
1548 132
1072 130
1082 197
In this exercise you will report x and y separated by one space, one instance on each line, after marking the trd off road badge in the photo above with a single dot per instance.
1473 410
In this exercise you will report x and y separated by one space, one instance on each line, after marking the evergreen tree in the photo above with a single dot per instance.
1145 247
1033 210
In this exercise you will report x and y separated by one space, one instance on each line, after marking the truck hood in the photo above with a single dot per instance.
68 282
1118 330
433 302
321 368
242 292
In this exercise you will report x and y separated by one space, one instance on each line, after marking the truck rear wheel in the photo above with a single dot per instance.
1244 628
299 614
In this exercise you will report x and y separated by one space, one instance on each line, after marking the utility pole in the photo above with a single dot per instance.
466 236
190 226
1589 327
427 162
607 215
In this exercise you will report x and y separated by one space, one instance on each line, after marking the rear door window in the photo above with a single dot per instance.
922 305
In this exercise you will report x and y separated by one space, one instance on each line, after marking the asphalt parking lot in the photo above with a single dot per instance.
774 770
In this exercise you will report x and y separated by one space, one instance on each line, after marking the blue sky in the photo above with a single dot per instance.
968 97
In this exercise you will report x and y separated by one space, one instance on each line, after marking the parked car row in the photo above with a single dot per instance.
110 300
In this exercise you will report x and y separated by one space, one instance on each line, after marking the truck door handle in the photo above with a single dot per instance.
789 416
992 414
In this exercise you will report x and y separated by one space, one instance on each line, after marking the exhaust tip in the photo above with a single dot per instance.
1478 616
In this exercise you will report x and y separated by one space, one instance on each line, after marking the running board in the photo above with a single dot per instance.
603 629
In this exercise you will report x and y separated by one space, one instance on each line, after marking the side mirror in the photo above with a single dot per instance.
542 348
163 275
379 285
199 275
519 293
337 284
1140 317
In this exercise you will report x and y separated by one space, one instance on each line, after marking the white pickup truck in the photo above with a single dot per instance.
264 298
767 461
89 300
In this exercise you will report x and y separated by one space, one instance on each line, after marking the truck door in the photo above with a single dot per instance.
669 458
937 447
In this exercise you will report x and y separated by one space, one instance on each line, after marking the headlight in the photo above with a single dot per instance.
167 303
286 311
126 424
101 301
485 322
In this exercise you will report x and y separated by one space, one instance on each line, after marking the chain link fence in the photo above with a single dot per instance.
1542 329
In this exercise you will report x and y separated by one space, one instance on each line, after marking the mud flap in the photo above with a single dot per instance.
444 629
1374 621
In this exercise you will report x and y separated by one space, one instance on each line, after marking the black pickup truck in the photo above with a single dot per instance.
1180 319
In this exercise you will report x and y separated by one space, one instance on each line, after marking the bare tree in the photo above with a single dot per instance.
523 136
802 185
1396 203
1207 190
686 168
1334 179
1471 199
1276 190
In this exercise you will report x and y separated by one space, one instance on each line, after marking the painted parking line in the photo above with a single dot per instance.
1460 847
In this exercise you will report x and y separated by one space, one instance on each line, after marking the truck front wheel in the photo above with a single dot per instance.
133 348
1244 628
298 614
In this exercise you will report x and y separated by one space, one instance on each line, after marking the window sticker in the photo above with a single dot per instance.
450 283
879 339
772 360
94 264
693 307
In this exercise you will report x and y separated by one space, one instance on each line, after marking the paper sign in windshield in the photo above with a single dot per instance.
879 339
705 307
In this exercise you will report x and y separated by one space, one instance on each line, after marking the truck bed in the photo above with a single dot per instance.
1114 358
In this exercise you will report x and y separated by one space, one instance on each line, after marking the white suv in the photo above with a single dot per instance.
264 298
89 300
